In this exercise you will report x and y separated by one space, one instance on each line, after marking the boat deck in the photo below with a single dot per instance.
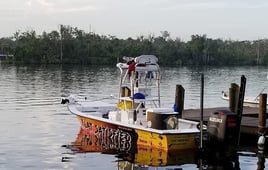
249 123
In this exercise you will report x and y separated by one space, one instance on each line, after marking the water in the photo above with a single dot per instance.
36 130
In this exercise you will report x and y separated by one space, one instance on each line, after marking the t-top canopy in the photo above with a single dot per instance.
146 59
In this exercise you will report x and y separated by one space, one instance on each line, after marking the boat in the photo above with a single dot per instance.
249 101
137 116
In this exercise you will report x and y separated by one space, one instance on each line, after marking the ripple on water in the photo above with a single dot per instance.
34 125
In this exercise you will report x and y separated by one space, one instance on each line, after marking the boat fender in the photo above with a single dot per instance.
198 126
261 142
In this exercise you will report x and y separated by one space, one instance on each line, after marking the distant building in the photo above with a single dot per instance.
6 57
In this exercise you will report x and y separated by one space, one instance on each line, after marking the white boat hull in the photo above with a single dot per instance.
248 101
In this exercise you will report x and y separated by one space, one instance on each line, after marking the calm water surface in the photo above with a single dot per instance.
36 129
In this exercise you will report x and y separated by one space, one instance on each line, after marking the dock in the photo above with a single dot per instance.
253 119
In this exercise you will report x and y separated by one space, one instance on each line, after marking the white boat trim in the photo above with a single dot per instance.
97 116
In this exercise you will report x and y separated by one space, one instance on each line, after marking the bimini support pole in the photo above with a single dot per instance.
120 83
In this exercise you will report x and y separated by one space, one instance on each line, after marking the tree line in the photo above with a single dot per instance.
70 45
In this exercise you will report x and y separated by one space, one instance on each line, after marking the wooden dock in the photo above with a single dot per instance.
249 122
253 119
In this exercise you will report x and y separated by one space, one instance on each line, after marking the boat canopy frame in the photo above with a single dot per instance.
145 76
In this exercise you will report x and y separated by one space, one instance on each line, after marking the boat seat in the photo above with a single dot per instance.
143 90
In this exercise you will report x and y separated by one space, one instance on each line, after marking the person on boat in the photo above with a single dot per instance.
149 75
131 67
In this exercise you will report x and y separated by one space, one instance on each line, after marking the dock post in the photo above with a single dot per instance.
262 123
241 95
262 114
262 131
179 99
240 103
233 94
202 110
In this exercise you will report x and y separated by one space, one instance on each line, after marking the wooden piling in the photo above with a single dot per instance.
261 162
179 99
240 103
262 114
233 97
202 110
261 130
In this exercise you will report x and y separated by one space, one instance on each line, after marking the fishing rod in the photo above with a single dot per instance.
261 90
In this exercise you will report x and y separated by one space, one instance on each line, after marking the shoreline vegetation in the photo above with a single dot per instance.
71 45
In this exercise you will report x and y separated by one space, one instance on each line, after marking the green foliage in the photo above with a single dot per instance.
73 46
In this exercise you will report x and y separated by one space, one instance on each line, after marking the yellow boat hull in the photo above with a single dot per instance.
123 137
168 142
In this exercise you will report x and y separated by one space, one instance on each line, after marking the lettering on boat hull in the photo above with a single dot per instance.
125 139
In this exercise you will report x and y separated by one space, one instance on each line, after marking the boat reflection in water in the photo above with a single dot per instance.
131 155
88 142
155 157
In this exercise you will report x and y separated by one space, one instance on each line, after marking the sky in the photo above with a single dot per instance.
237 20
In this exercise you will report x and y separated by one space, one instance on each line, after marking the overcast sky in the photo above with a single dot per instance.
225 19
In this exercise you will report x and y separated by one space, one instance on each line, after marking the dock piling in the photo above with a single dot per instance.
262 114
262 131
202 110
234 94
179 99
240 104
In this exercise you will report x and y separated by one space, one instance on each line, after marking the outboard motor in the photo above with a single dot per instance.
223 131
64 100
